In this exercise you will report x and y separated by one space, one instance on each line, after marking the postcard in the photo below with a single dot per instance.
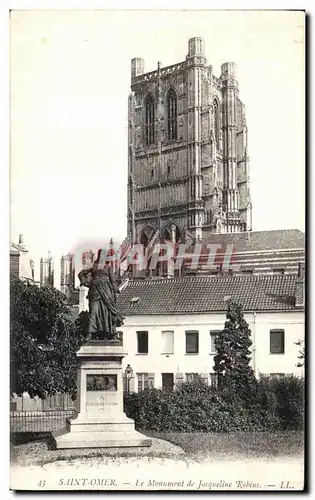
157 252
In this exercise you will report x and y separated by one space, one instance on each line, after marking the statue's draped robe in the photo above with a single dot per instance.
104 315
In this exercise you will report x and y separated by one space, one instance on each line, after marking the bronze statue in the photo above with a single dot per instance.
104 315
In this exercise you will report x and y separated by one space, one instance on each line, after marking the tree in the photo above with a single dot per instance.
301 355
44 338
232 361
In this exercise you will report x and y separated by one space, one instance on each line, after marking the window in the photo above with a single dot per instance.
172 115
213 336
143 381
142 338
149 120
168 381
168 342
247 271
192 342
277 376
214 379
191 377
278 271
276 341
216 108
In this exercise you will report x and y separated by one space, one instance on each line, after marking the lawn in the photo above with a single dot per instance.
33 447
237 444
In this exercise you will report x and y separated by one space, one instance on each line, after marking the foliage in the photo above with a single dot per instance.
301 355
232 361
196 407
44 339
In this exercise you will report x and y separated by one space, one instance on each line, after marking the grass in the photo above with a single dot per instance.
238 444
33 448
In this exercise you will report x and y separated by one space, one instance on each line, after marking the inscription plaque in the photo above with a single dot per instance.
101 383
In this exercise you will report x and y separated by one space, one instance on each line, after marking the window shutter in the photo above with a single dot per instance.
214 379
168 342
179 378
205 377
213 336
151 380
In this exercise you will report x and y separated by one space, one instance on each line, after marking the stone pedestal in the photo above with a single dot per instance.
101 421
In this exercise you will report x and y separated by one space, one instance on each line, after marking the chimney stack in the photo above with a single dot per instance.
21 243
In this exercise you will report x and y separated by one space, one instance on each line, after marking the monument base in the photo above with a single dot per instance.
102 438
101 421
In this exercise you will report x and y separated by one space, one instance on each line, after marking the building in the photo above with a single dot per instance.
188 169
256 252
21 266
47 271
188 164
67 275
171 325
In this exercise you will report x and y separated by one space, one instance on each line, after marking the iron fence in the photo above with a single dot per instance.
39 421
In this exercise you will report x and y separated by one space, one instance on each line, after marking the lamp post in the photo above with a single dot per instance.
129 376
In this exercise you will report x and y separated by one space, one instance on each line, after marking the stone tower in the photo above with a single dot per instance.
188 165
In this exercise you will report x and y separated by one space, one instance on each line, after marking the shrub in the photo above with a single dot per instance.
272 405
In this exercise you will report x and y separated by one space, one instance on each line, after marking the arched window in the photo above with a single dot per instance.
217 127
149 120
172 114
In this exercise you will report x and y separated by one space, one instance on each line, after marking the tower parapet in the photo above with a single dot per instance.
196 47
137 67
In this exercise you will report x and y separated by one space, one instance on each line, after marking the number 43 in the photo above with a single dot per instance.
41 483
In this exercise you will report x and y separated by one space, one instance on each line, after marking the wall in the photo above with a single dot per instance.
180 362
25 268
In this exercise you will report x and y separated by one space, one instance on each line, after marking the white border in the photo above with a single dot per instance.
4 143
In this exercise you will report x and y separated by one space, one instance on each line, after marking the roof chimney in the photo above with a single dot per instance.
21 243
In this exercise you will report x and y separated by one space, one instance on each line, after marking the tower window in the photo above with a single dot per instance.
168 170
149 120
172 114
216 121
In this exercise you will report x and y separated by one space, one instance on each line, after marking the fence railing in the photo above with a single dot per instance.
39 421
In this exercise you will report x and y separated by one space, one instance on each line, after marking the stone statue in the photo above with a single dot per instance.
104 316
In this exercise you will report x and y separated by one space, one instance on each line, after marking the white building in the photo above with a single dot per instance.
21 266
170 325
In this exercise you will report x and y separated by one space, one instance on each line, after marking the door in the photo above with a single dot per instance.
167 381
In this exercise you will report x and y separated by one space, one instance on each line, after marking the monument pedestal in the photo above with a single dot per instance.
101 421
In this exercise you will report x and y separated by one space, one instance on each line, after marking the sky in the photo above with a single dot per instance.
69 84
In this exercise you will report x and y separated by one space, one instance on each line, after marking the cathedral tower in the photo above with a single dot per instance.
188 165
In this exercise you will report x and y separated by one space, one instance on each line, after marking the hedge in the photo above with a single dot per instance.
270 405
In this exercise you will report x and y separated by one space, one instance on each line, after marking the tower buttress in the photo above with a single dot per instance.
196 64
230 193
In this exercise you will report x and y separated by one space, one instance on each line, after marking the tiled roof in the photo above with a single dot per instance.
279 239
15 248
202 294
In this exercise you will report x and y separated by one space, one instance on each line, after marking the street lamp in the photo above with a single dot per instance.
129 376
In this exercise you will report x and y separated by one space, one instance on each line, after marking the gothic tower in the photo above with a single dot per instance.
188 165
